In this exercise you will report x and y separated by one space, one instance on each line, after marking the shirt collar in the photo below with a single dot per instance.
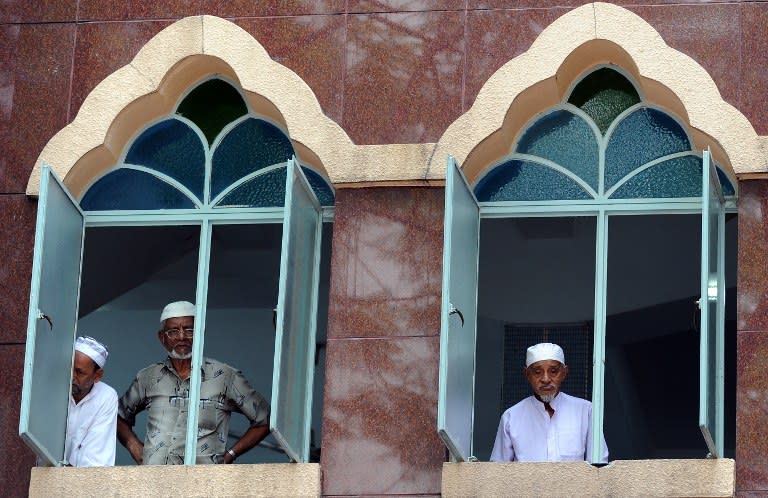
167 363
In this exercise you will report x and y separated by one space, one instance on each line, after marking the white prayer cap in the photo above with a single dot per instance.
177 309
544 351
93 349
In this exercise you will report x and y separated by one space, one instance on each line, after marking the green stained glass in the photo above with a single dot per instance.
678 177
252 145
603 95
642 136
527 181
172 148
565 139
212 106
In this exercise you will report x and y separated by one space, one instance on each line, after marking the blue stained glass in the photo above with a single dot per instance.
566 139
319 186
679 177
250 146
725 182
642 136
267 190
172 148
527 181
131 189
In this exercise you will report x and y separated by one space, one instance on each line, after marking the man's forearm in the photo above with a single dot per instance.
251 438
128 438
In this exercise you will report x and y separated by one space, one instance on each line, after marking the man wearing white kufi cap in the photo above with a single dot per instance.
163 390
550 425
92 417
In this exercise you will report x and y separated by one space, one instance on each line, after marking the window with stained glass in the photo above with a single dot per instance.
207 204
603 214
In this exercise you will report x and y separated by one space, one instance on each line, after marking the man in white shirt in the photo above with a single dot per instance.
549 426
92 417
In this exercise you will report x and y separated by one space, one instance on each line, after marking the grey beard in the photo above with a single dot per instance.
548 398
178 356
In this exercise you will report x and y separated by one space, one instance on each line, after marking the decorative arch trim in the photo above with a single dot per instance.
591 35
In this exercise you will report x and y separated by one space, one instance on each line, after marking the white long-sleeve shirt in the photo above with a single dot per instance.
92 428
528 434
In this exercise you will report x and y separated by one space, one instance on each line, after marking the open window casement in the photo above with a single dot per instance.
296 317
712 308
52 321
458 319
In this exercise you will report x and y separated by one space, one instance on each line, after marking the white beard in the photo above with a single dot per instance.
178 356
547 398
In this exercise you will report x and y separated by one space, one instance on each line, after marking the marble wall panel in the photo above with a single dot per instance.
112 10
16 459
752 283
386 266
17 241
357 6
752 412
38 11
403 79
380 417
35 72
754 66
312 47
494 37
104 47
243 8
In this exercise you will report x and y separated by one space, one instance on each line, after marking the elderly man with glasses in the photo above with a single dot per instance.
163 390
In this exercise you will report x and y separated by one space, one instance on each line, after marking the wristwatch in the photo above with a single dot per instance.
232 454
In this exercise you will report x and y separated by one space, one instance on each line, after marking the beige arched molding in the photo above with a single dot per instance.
189 51
194 48
592 35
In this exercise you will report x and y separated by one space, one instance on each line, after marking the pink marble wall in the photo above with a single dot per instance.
387 71
380 399
752 341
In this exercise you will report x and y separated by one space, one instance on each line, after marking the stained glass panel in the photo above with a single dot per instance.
527 181
173 148
131 189
679 177
250 146
212 106
642 136
265 190
319 186
603 95
566 139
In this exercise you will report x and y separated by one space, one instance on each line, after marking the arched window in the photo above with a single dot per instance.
207 204
601 229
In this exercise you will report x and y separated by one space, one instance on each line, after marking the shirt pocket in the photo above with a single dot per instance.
572 445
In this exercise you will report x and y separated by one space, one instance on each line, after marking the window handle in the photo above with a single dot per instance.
41 316
452 310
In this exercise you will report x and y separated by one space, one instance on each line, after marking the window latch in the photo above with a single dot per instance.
452 310
43 316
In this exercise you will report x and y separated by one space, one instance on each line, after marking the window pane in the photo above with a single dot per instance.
641 137
250 146
527 181
132 189
603 95
679 177
173 148
320 186
242 292
129 275
212 106
565 139
652 339
536 284
265 190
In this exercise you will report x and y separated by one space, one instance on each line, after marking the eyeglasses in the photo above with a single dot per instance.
187 332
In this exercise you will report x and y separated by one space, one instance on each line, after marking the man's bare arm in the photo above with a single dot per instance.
128 438
251 438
